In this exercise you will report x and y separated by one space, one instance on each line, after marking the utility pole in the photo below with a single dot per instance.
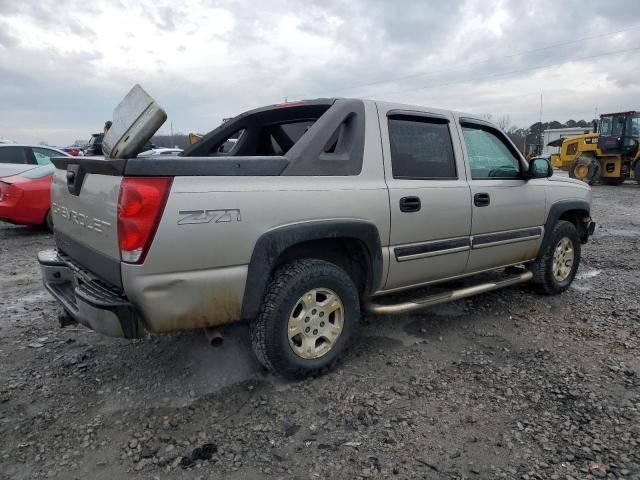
541 129
172 142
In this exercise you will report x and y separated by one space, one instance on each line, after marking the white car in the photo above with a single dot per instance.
16 158
160 151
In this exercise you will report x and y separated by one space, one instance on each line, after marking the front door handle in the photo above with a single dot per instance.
481 200
409 204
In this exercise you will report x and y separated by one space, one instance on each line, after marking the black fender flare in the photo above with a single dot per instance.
273 243
556 211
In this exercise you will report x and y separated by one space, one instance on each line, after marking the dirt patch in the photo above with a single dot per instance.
504 385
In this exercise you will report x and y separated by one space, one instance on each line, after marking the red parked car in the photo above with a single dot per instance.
25 198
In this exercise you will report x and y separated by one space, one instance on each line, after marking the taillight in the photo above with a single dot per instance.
9 191
140 206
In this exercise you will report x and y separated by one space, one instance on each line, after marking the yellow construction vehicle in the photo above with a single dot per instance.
610 154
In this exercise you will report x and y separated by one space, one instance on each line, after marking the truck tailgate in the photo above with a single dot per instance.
84 207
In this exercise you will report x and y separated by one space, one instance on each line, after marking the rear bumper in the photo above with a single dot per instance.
87 299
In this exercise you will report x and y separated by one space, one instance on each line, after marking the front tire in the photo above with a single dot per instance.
558 262
585 168
308 316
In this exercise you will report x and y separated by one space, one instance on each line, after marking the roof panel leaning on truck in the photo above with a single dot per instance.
314 212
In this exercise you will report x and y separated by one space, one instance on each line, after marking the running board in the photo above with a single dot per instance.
449 296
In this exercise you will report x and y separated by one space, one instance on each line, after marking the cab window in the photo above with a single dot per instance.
489 154
421 148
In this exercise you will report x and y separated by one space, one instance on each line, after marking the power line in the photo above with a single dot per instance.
470 64
505 74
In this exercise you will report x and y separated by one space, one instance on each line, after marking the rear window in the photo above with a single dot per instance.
270 131
318 137
13 155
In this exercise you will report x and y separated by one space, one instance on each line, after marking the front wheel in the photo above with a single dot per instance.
558 262
310 312
585 168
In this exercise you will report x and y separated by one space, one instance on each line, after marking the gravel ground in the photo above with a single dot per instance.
506 385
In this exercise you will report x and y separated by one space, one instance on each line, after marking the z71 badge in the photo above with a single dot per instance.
188 217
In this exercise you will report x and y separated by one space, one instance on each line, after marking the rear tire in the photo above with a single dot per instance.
558 262
308 316
585 168
636 171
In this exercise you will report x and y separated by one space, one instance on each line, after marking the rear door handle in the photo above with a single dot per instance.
409 204
481 200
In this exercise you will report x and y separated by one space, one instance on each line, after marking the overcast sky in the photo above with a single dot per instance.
65 64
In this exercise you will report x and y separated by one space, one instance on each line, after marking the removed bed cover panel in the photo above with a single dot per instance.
135 120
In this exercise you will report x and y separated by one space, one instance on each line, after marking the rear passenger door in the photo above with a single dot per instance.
508 212
429 198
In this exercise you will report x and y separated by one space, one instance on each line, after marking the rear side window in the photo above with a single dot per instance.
490 157
44 155
13 155
421 148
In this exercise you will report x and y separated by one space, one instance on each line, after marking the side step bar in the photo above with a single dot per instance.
449 296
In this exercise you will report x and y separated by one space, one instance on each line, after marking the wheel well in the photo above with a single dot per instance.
350 254
579 218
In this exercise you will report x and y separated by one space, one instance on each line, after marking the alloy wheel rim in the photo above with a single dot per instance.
563 258
315 323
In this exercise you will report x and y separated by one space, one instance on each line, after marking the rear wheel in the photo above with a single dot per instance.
636 172
309 313
585 168
558 262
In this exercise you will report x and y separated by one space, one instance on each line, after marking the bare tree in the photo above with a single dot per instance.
504 121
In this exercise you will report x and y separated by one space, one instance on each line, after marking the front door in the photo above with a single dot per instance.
508 212
429 198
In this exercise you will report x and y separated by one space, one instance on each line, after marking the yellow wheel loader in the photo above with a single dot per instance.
610 155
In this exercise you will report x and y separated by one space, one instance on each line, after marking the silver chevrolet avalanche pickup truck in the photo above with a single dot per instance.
316 211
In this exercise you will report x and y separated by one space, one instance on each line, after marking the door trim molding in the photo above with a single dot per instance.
431 249
486 240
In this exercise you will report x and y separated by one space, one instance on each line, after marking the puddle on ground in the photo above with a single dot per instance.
581 288
588 274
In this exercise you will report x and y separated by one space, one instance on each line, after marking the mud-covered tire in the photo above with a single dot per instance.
270 329
585 168
544 278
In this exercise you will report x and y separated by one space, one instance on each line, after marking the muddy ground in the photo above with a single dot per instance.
506 385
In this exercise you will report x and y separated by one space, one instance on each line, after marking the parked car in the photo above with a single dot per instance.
318 210
74 151
25 199
15 158
160 151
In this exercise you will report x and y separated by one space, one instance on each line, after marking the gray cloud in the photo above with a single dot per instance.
458 54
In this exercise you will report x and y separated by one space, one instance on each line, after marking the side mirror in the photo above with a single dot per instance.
539 168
